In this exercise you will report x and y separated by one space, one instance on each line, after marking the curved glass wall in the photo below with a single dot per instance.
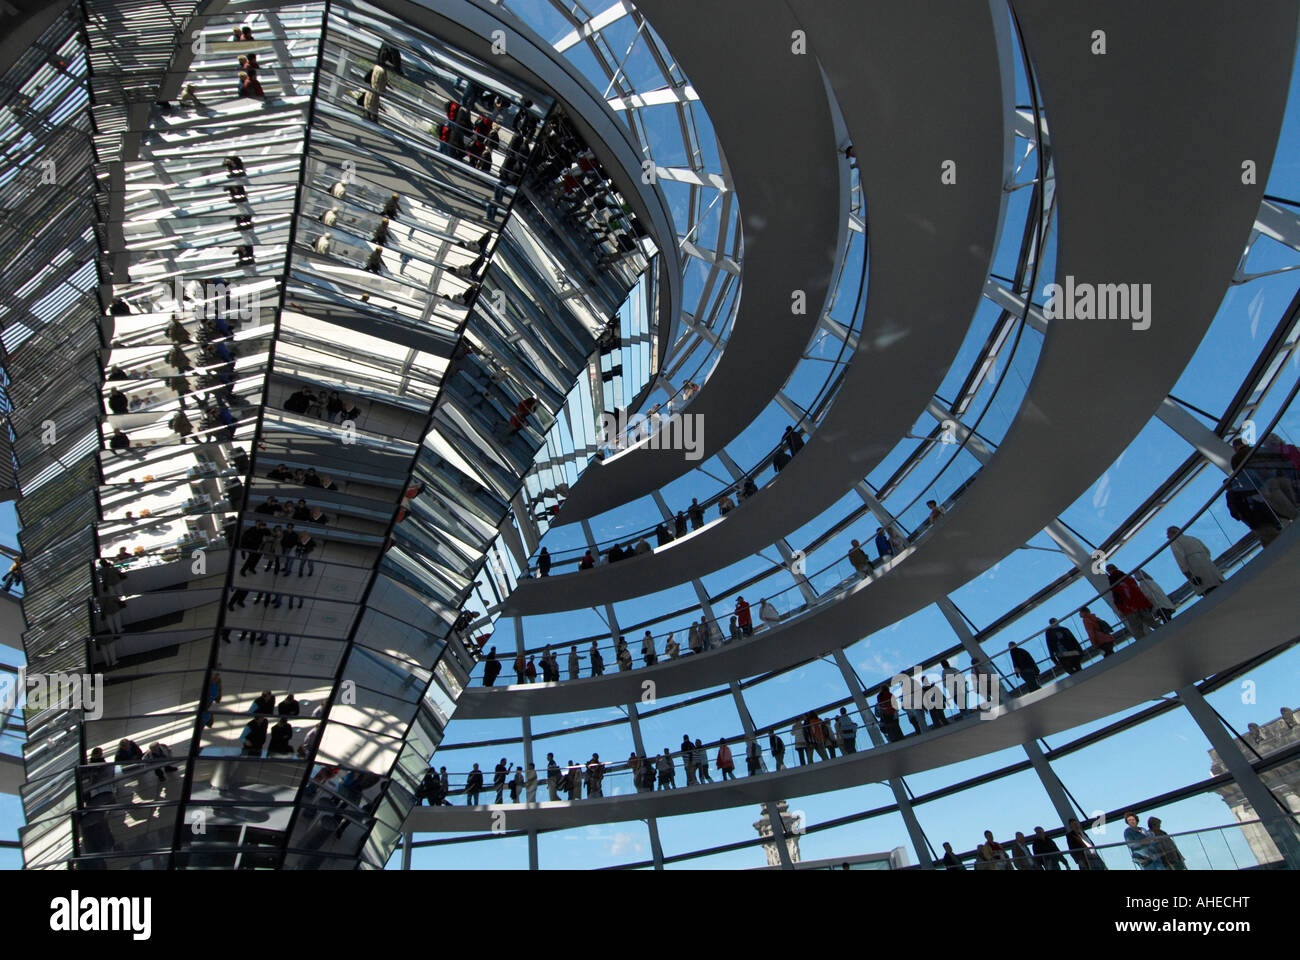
1171 475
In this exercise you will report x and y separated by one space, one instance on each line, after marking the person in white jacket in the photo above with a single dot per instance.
713 630
370 101
914 700
954 686
1193 558
767 612
1164 607
800 741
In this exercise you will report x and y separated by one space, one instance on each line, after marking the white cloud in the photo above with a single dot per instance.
622 843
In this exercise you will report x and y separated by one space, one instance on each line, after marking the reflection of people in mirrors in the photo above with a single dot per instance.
15 575
378 82
176 331
117 401
249 86
306 546
254 737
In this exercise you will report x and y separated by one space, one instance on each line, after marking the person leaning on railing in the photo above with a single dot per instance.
1082 849
1046 852
950 860
1165 847
858 557
1141 844
1018 849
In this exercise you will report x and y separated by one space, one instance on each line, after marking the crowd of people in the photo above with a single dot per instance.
1141 602
477 139
705 634
280 546
1150 848
685 521
1138 599
929 702
201 360
571 180
338 803
214 367
277 738
324 404
812 738
474 127
1265 495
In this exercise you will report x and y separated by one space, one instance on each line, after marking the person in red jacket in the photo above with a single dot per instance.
411 493
742 617
726 765
1098 633
815 730
1131 602
520 417
888 714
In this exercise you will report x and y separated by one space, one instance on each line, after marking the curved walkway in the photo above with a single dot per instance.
772 120
932 245
1126 182
1193 647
